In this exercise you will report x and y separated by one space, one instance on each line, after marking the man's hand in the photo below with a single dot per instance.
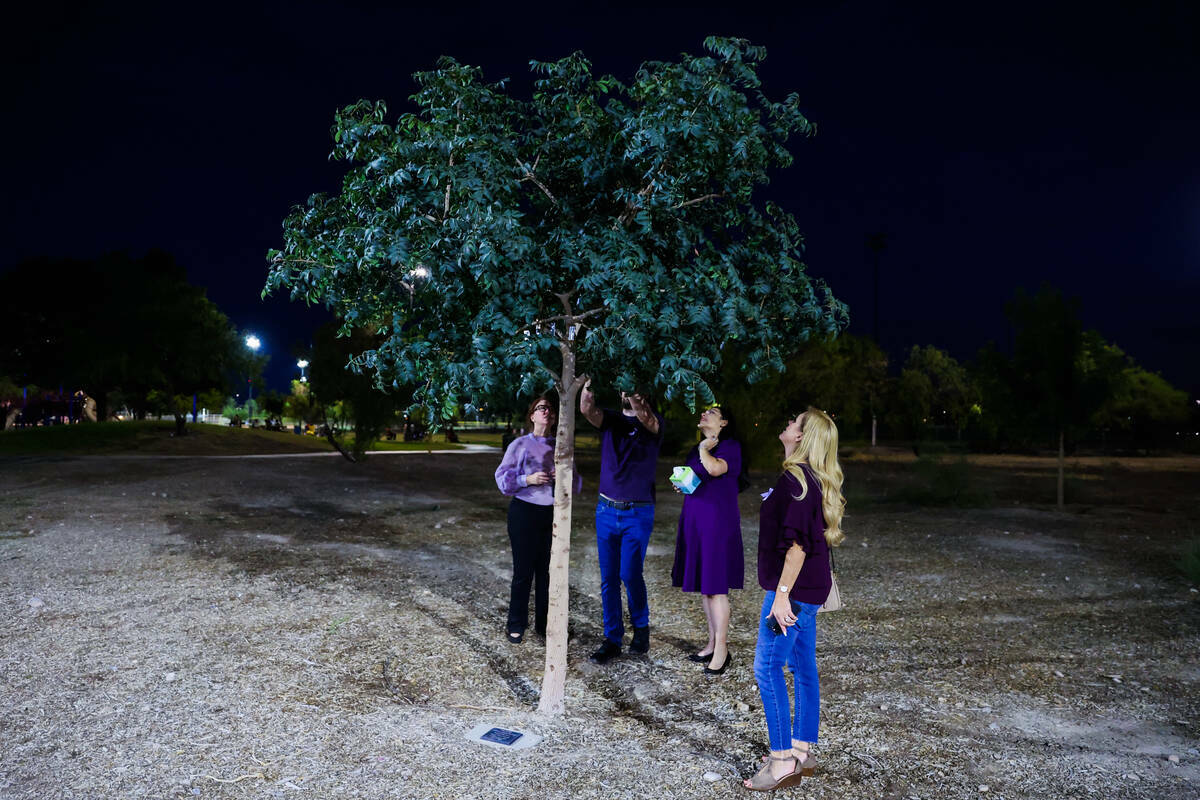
642 410
587 405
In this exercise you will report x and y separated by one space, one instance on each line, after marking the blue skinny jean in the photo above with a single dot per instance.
622 536
798 650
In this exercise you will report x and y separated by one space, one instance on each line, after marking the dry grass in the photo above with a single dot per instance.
222 630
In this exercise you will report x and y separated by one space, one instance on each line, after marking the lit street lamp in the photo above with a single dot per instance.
302 364
253 343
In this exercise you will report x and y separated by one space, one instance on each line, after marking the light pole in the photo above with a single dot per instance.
302 364
253 343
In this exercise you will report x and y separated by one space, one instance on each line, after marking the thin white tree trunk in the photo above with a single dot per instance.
555 677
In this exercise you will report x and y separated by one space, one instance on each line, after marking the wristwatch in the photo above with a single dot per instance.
783 588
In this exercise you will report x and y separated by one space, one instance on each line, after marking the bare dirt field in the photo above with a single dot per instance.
303 627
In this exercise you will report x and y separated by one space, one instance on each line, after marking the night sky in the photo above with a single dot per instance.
996 145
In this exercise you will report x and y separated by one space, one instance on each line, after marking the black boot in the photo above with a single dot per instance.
641 640
607 650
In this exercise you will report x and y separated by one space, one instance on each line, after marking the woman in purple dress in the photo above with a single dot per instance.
708 545
527 474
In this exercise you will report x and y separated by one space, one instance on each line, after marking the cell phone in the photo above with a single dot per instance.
773 624
501 736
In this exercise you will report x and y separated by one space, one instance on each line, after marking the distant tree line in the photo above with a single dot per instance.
1060 385
129 332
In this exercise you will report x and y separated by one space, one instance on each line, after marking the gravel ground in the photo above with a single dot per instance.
234 628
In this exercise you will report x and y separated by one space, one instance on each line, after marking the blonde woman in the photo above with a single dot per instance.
799 520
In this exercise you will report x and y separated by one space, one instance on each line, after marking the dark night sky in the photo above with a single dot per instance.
997 145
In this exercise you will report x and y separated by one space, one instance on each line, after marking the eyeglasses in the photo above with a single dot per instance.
542 408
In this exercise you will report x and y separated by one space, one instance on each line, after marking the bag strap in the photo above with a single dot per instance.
832 563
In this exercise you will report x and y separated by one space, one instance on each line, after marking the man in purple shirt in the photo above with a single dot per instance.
629 444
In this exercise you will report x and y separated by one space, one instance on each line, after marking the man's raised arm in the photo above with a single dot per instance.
587 405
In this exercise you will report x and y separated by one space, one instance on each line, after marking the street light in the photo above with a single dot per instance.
253 343
302 364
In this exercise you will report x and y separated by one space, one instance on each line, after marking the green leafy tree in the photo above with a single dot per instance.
1140 405
600 228
1059 377
845 376
116 323
941 389
301 405
348 394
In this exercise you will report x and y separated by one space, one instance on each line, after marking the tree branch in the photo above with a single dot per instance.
695 201
529 176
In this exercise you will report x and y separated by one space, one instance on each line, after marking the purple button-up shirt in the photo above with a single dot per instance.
526 455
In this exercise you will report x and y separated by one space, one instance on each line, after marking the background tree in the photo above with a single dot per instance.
1138 405
348 395
301 405
598 229
1056 380
115 323
945 392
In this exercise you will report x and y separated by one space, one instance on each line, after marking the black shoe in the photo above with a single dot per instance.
722 668
699 659
641 640
607 651
516 637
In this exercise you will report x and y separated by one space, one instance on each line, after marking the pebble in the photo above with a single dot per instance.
712 777
983 787
993 726
1058 674
168 677
36 602
742 706
1174 759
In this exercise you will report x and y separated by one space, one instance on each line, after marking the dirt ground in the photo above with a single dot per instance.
303 627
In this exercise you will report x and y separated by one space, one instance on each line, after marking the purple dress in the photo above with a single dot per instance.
708 545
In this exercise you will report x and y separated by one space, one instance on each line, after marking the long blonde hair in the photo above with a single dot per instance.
818 449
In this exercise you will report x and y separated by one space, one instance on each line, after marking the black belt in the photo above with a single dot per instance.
624 505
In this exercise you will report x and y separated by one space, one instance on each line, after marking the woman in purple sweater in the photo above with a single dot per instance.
527 474
800 518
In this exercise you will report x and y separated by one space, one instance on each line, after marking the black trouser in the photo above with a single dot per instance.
530 530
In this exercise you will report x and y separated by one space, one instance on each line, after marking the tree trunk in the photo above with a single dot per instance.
873 430
554 679
1061 466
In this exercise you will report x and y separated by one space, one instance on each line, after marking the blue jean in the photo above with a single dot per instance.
799 651
621 539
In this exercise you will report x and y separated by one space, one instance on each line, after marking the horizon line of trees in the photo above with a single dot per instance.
1061 386
132 333
129 332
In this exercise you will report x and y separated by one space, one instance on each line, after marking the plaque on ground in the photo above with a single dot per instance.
503 738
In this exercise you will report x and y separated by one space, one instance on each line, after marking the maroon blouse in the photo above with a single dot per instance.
783 521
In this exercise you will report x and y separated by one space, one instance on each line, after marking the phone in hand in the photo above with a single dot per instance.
773 624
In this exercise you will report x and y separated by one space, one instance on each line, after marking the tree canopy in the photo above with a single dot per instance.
481 231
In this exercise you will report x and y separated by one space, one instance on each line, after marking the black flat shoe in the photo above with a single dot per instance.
699 659
605 652
720 670
516 637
